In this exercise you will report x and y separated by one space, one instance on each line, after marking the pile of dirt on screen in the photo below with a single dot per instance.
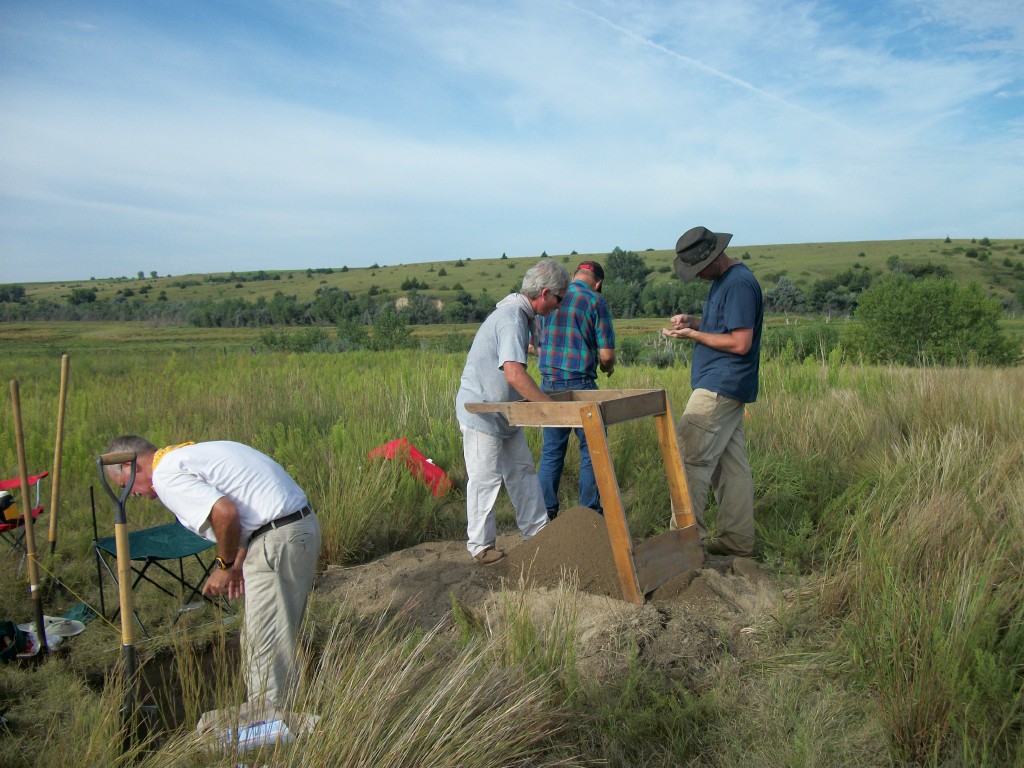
684 627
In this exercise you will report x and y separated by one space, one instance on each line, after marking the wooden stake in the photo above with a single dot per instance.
57 452
26 505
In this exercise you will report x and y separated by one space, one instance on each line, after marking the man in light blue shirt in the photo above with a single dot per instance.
495 372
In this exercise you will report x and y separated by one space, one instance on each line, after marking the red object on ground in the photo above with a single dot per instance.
432 475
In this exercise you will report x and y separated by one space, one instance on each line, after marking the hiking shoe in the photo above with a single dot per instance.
489 556
715 547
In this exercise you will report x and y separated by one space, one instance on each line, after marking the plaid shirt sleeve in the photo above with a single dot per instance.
605 330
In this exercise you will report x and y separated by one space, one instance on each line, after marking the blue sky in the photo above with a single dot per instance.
190 137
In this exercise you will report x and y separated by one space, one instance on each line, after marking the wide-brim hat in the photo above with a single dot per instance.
697 248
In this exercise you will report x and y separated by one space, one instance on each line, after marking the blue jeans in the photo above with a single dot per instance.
552 458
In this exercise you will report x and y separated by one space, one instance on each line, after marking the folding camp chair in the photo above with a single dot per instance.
152 548
12 526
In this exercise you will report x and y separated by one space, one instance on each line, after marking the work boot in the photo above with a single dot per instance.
488 556
715 547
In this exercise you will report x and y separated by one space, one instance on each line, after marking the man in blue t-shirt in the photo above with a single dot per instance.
576 340
723 378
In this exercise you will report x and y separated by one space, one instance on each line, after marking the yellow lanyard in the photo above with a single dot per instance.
161 452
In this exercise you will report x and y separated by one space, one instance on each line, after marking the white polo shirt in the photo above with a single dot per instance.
190 480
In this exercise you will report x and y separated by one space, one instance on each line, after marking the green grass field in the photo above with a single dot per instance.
890 506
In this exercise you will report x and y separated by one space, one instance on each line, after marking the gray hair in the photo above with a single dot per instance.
546 273
132 444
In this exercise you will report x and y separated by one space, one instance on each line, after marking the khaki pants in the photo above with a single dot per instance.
714 451
279 568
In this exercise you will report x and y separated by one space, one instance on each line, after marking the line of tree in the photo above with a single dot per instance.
627 289
330 306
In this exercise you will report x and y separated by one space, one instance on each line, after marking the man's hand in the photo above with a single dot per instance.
228 582
684 321
679 332
737 341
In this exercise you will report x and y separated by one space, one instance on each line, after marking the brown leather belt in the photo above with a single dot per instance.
282 521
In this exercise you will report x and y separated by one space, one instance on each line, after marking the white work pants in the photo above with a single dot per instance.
489 462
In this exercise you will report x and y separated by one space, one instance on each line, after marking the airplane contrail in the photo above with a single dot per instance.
703 67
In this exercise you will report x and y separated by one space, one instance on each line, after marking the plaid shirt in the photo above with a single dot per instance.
571 336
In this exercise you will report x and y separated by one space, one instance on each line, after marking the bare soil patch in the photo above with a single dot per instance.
684 629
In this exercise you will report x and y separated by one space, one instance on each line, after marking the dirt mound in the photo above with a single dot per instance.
686 625
575 541
419 583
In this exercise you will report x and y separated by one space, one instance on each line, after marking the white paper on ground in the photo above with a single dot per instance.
249 727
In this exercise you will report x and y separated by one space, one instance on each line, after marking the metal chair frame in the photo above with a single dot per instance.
105 553
13 532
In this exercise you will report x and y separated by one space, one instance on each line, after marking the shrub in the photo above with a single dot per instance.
899 323
352 335
12 293
390 331
82 296
796 343
627 267
785 297
306 340
628 350
412 284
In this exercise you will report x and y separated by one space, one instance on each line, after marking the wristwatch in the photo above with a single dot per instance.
224 565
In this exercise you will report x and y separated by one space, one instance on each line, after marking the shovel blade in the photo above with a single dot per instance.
663 557
691 549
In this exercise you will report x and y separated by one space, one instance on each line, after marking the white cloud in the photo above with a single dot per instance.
415 131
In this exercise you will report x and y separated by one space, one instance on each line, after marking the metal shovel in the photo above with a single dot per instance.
130 709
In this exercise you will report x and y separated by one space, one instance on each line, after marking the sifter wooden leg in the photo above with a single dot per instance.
682 509
611 500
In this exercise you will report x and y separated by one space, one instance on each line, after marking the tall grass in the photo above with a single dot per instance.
928 571
380 698
890 503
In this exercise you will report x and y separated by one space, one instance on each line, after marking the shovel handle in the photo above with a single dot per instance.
117 457
112 459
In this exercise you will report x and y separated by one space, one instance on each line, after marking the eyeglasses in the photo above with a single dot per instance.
558 297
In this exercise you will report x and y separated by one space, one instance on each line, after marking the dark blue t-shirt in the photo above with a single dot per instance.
733 302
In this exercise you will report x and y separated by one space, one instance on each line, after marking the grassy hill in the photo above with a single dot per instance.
997 265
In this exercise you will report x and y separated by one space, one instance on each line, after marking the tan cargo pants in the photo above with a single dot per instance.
714 452
279 568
